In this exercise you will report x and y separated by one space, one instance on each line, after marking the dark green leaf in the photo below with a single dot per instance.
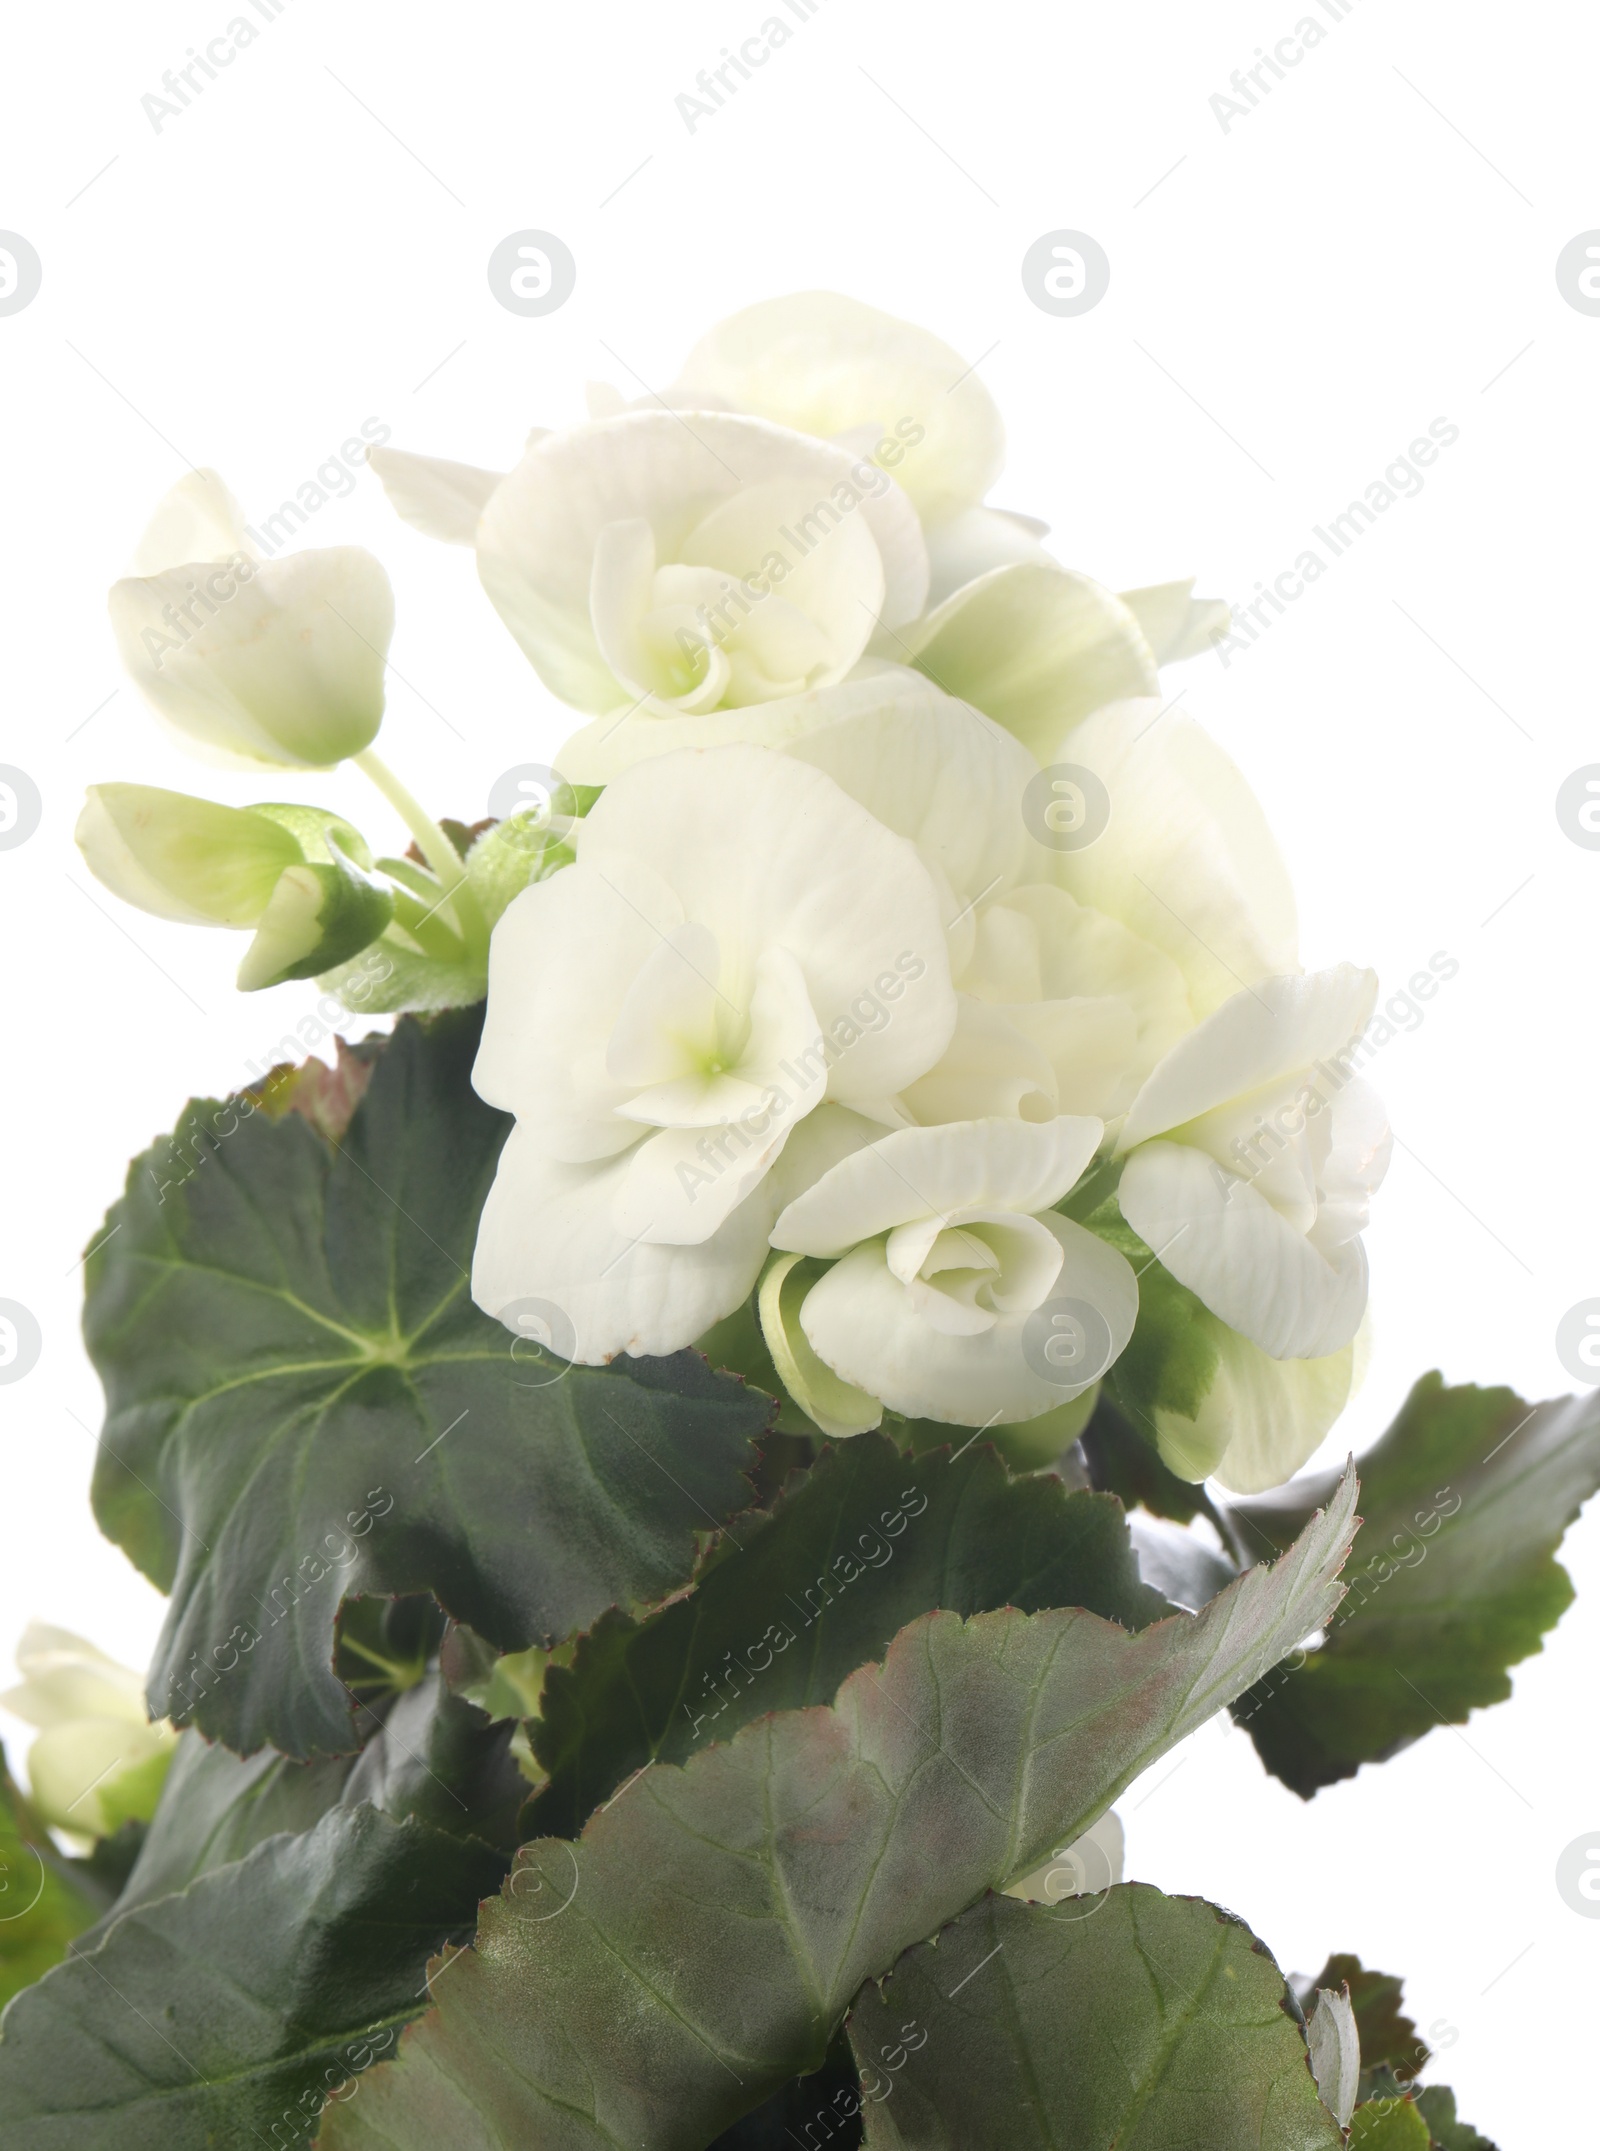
1130 2019
304 1405
226 2013
1454 1580
215 1808
789 1604
431 1756
823 2108
700 1943
1437 2106
43 1904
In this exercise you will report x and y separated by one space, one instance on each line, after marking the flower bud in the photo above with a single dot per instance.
319 916
294 873
98 1761
278 662
184 858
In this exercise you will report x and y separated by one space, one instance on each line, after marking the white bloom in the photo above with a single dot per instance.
98 1759
827 365
276 662
696 564
737 942
1257 1195
947 1246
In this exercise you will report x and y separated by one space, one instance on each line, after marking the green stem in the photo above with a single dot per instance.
435 847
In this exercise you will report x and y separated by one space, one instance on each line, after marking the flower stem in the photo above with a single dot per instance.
435 847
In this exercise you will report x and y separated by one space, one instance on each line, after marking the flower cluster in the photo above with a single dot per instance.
898 999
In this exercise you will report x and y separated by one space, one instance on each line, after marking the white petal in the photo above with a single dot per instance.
621 592
828 365
936 771
562 962
991 1068
931 768
1360 1146
1187 860
548 1234
838 585
197 520
1177 625
769 854
668 1015
979 539
1219 1236
1258 1037
681 1184
441 499
864 1324
1277 1411
1037 648
1081 952
939 1172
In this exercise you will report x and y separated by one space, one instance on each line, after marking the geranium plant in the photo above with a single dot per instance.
693 1468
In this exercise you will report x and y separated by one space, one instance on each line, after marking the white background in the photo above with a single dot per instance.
1292 301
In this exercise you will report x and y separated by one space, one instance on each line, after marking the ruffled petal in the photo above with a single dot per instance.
1219 1236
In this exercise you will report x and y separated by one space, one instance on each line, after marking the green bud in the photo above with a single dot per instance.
293 873
319 916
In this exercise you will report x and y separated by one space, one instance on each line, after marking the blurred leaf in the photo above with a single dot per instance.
1437 2107
788 1604
1388 2125
699 1945
1132 2020
1454 1579
229 2011
304 1405
43 1904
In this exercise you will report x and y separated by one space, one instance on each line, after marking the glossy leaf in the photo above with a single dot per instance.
304 1405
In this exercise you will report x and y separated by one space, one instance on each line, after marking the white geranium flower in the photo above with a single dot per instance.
1254 1153
947 1247
696 563
827 365
98 1761
737 943
277 663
